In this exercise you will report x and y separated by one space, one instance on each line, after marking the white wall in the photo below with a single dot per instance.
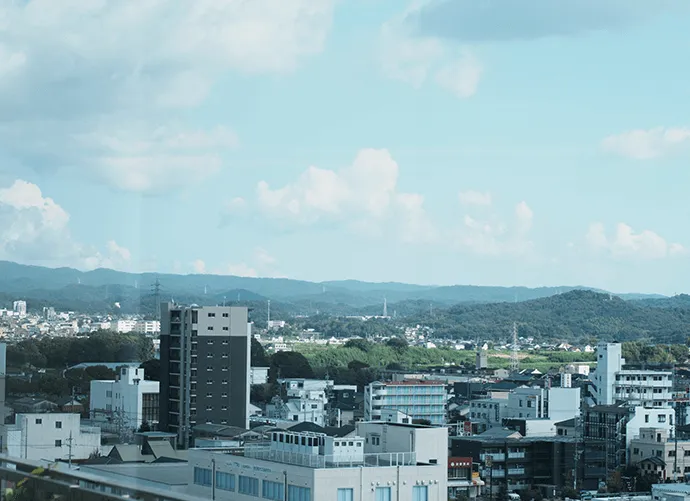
34 437
124 396
324 483
564 403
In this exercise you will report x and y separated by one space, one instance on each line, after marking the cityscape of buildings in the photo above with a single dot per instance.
429 434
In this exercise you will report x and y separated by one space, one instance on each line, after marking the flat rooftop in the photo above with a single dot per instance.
170 474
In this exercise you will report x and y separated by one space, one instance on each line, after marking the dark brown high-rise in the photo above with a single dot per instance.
205 367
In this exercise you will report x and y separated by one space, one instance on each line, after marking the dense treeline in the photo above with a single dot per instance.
61 352
577 316
638 353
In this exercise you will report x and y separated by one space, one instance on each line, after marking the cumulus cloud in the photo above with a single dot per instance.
416 60
34 229
626 243
363 195
263 258
128 67
474 198
647 144
470 21
492 236
238 270
199 266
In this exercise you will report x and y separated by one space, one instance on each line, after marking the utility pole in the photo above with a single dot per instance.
69 454
156 289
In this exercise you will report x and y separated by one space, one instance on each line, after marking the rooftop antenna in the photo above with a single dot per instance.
385 307
514 362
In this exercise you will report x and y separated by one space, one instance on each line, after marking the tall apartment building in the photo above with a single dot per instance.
128 401
19 308
382 462
417 399
615 381
205 366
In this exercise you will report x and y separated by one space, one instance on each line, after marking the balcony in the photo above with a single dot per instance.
496 458
516 471
516 455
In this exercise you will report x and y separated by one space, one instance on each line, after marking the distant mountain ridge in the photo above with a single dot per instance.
100 288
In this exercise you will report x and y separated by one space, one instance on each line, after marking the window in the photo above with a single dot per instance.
209 395
646 418
225 481
661 418
209 342
346 495
383 494
226 315
39 420
375 440
225 328
58 443
296 493
210 327
420 493
223 395
195 316
202 476
636 451
272 490
109 394
224 408
248 486
211 315
209 408
58 424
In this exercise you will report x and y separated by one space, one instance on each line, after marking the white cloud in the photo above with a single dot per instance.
494 237
239 270
625 243
263 258
647 144
34 229
362 196
199 266
461 76
474 198
414 59
123 68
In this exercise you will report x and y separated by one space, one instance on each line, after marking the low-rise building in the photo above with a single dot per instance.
127 402
422 400
50 437
668 454
383 462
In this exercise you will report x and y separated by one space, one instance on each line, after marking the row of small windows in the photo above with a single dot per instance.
249 486
225 328
212 315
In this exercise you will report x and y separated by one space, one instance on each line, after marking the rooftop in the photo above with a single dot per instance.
171 474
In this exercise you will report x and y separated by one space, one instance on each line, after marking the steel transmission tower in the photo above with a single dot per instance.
514 362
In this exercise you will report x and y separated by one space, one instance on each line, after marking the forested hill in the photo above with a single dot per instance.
574 316
99 290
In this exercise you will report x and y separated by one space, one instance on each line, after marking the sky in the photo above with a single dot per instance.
502 142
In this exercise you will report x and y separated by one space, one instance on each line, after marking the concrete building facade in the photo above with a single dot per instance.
376 464
126 402
418 399
50 437
205 367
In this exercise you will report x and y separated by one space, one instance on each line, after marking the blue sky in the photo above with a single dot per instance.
521 142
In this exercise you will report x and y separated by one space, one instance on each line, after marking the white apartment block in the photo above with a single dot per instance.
19 308
50 437
258 375
648 388
311 389
418 399
383 462
129 400
148 327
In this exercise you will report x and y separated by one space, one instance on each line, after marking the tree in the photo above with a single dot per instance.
395 366
360 344
287 364
356 365
397 343
422 422
152 369
258 354
145 427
